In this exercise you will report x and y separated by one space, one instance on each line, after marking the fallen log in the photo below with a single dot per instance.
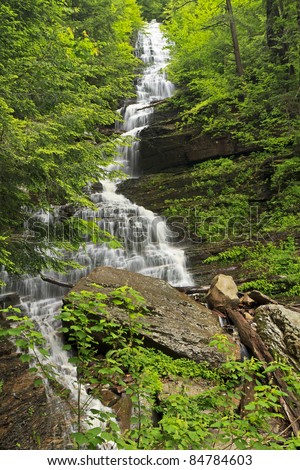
193 290
250 338
56 282
153 104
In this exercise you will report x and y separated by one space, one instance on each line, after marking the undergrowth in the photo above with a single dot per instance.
210 418
276 267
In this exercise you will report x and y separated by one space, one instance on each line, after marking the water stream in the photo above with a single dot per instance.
143 234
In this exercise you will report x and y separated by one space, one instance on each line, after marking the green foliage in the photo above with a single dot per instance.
275 267
152 9
259 107
236 253
85 319
31 342
286 187
217 205
1 385
210 419
166 366
64 67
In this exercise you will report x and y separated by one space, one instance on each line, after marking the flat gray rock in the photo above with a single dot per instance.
175 324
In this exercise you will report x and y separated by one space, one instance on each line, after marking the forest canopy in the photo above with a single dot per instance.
153 9
65 67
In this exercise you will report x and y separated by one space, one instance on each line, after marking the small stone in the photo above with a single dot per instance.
108 398
191 387
248 317
246 300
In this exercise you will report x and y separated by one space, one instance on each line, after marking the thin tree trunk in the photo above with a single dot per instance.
56 281
235 41
275 30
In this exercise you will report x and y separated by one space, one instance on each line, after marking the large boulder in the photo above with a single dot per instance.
222 293
279 327
175 323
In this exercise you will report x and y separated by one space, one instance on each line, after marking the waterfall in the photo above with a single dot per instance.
143 234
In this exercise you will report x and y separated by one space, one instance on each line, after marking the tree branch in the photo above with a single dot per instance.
56 281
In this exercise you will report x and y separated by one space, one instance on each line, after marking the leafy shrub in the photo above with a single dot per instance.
277 267
210 419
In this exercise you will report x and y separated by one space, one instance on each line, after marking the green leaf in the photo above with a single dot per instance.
21 343
251 406
44 352
38 382
25 358
80 438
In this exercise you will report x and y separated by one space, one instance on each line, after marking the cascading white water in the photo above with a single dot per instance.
152 86
142 233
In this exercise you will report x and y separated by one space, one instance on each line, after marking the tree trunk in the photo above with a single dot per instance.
272 13
235 41
276 31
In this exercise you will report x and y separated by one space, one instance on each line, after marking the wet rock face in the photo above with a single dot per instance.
9 299
175 323
163 146
279 328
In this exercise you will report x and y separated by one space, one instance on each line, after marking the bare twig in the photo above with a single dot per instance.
56 281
